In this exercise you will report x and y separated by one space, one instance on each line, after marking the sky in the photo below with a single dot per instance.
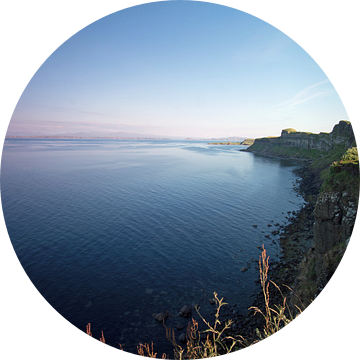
178 69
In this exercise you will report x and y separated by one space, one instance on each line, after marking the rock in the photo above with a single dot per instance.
185 311
182 338
162 316
255 226
180 325
211 301
244 268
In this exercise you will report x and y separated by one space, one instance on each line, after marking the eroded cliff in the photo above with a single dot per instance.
332 160
306 146
334 218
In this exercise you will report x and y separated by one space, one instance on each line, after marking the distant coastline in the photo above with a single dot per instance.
242 142
83 137
246 142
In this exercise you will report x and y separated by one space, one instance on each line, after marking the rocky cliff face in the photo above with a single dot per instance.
333 161
296 144
342 133
334 219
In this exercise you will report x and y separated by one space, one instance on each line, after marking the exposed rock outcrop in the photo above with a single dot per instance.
303 145
185 311
333 170
334 214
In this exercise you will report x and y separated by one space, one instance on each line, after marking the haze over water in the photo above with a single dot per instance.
112 231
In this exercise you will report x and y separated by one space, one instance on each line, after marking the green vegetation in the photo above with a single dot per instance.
276 149
295 152
328 157
217 339
343 174
248 142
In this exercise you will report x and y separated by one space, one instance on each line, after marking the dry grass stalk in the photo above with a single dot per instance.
275 317
144 350
88 331
216 342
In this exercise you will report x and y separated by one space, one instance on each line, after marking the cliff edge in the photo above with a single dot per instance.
304 145
333 162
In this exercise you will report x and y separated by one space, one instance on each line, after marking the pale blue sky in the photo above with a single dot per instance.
184 69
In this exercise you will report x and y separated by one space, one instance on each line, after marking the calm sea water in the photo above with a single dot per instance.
112 231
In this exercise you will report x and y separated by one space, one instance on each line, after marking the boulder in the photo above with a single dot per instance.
180 325
162 316
185 311
182 338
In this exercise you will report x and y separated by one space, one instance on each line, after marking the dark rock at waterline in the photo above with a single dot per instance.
185 311
162 316
255 226
182 338
180 325
244 268
211 301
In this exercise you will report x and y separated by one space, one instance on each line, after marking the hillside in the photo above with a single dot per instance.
330 184
307 146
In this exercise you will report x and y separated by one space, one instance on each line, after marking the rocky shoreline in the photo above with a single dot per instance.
296 239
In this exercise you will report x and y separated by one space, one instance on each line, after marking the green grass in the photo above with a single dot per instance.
288 151
343 174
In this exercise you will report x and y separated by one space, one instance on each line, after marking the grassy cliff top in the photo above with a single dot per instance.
290 130
343 175
293 131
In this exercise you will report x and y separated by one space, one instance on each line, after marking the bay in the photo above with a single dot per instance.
113 231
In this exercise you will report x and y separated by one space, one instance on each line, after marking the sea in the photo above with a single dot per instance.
112 232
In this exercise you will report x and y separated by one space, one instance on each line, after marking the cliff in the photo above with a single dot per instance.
333 163
334 218
306 146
